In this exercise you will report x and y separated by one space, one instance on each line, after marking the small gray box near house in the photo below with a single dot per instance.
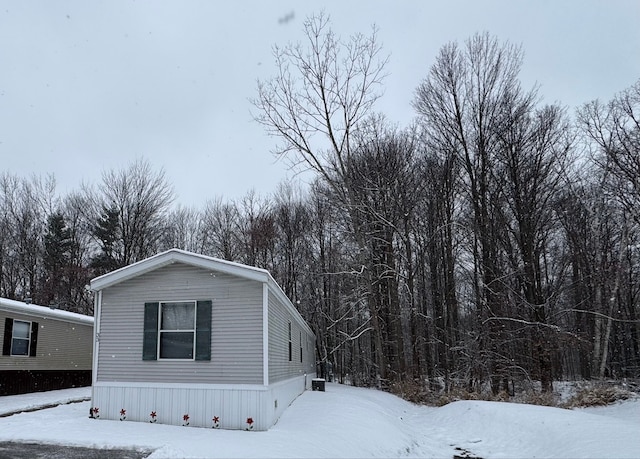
317 384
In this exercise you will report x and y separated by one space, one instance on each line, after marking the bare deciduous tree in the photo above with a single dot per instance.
141 197
320 96
219 230
183 230
316 104
475 111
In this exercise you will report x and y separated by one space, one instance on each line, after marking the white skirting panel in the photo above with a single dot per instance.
285 392
232 405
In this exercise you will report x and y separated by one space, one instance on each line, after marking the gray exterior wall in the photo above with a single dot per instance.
280 368
61 345
236 329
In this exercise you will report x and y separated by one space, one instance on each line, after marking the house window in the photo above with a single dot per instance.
300 347
290 344
177 330
20 338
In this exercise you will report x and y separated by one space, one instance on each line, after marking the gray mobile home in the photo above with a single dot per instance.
185 338
43 349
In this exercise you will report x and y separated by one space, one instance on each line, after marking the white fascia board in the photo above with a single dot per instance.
130 271
34 310
265 334
224 266
178 256
97 312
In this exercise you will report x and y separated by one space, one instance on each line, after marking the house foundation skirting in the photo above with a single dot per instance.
198 405
13 382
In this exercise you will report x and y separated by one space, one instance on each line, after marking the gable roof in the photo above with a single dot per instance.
178 256
201 261
19 307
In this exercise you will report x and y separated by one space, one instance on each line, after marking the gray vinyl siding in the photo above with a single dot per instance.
236 329
61 345
280 368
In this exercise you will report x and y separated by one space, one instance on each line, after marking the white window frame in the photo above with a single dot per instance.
27 339
161 331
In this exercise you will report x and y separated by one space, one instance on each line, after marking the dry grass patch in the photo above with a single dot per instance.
597 395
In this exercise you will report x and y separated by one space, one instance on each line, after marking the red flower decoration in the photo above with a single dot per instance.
153 414
185 417
123 412
249 421
95 410
216 419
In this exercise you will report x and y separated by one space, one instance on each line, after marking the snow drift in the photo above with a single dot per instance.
350 422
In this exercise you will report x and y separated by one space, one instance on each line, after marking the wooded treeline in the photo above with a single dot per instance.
494 243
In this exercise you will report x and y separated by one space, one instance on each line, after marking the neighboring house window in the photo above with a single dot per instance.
20 338
177 330
290 347
300 347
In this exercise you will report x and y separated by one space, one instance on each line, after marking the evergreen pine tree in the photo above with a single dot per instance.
57 247
106 231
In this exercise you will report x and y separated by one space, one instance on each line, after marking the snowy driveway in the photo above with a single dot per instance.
14 450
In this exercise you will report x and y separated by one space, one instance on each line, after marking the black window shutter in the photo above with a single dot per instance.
34 339
290 350
150 340
203 330
8 334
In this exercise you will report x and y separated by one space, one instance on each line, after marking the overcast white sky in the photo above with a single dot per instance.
92 85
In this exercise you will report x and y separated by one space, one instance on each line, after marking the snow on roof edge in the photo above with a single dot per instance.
42 311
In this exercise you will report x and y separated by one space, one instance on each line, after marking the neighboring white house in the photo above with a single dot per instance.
43 349
182 337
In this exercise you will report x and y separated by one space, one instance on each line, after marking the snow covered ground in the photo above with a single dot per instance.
347 422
